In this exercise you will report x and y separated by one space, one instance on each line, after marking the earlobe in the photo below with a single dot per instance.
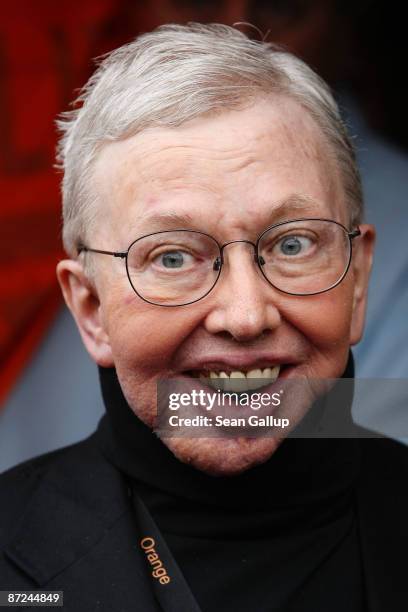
363 251
82 299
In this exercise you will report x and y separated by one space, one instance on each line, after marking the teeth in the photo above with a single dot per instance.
255 373
240 381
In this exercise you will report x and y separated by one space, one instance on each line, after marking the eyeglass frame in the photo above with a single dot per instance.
219 261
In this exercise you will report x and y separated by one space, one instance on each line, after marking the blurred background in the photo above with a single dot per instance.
49 391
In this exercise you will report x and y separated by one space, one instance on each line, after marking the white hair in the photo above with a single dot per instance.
170 76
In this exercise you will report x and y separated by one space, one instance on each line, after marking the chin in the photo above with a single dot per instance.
223 456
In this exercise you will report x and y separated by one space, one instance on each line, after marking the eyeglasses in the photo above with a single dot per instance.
179 267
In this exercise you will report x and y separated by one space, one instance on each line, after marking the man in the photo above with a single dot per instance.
213 222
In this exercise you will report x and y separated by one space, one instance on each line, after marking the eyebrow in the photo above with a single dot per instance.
167 220
295 204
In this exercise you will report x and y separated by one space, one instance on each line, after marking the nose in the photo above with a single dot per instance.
242 302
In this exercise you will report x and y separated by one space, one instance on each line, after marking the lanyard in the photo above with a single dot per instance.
169 585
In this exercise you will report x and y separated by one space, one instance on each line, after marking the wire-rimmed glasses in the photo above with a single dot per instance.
179 267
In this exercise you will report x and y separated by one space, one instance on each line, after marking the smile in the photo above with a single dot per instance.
239 380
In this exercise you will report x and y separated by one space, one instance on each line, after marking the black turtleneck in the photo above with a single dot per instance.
281 536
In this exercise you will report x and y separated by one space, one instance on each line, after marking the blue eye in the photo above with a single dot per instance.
293 245
172 259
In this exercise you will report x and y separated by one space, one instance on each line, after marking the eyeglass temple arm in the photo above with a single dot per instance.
84 249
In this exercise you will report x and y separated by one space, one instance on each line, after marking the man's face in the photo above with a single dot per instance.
233 175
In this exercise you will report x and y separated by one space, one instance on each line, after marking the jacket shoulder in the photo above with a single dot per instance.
382 510
67 524
388 456
18 483
382 479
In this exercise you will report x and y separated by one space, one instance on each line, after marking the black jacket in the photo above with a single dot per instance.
67 523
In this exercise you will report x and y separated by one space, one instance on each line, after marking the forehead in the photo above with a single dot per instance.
238 168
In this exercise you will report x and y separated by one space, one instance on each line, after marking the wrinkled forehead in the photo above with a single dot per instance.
239 162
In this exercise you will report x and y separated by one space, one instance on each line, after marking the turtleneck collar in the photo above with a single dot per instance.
301 472
279 534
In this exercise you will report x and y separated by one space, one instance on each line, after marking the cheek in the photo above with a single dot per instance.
144 336
324 320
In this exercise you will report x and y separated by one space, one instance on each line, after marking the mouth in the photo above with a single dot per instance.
251 379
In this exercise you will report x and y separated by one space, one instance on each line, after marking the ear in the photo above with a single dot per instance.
363 249
82 299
